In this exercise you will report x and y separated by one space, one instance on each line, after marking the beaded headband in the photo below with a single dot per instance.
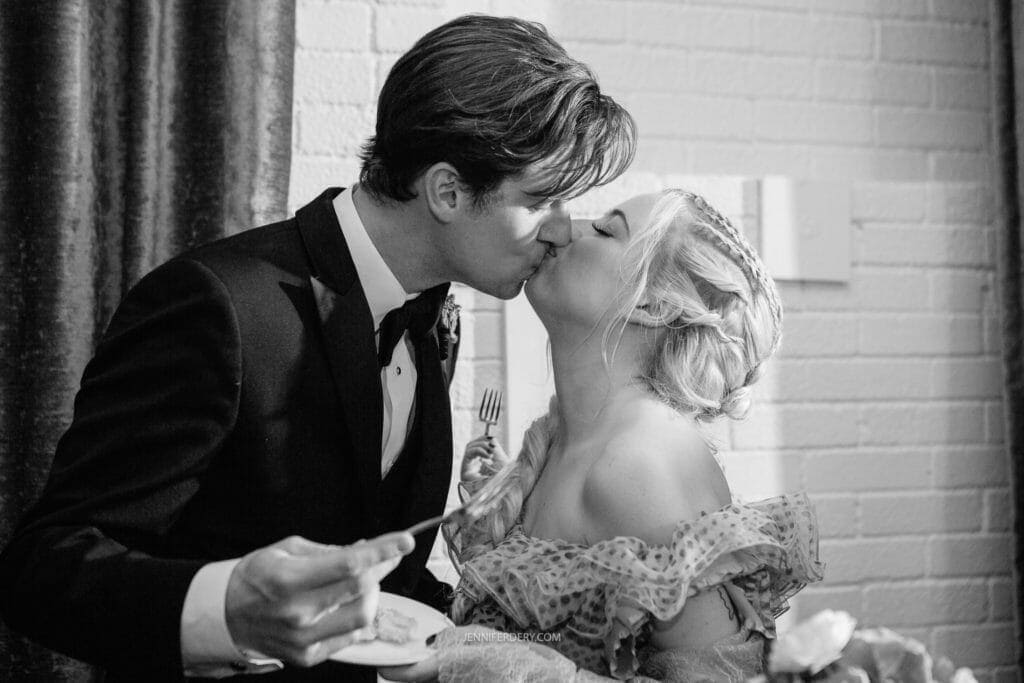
727 236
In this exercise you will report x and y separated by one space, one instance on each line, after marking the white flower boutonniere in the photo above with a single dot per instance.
447 328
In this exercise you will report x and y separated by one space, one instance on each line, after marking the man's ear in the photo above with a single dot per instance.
443 191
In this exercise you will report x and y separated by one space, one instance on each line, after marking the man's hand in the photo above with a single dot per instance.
300 601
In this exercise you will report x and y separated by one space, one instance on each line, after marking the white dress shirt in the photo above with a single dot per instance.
206 645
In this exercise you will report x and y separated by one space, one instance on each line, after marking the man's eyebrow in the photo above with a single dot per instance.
616 212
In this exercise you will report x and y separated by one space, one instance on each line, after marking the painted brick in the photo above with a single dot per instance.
590 20
812 334
755 475
860 82
993 333
918 424
342 129
958 10
831 123
1000 600
970 466
398 27
795 427
690 27
771 4
850 379
981 645
926 604
937 44
967 378
957 290
973 555
920 513
746 74
932 245
828 163
753 160
994 422
813 599
845 471
821 36
708 117
888 202
467 387
932 129
483 336
889 289
330 78
838 515
909 9
998 510
333 25
849 561
955 203
919 334
960 166
962 89
661 155
310 175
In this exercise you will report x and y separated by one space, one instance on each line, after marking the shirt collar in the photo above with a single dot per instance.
383 291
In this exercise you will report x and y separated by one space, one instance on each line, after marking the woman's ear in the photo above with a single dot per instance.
641 315
443 191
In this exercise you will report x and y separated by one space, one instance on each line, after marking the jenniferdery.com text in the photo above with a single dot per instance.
500 637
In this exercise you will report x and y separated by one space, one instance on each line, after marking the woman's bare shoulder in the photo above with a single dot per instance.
653 472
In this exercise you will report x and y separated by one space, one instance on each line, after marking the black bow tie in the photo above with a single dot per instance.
417 316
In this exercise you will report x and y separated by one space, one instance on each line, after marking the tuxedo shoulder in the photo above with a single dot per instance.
270 252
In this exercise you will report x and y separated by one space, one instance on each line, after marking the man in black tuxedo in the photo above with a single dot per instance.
259 405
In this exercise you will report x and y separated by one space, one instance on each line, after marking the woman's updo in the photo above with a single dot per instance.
696 282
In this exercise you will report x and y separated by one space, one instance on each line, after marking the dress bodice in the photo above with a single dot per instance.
569 595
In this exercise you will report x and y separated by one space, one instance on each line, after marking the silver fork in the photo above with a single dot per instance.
490 409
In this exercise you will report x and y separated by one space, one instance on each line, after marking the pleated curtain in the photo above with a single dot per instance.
130 130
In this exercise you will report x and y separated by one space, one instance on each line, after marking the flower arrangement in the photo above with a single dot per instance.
828 648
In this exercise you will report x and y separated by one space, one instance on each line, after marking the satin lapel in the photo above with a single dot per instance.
347 325
433 475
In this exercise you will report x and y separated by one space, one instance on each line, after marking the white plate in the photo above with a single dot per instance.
380 653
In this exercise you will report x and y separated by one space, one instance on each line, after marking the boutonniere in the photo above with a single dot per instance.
449 322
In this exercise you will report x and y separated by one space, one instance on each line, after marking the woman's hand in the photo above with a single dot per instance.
483 457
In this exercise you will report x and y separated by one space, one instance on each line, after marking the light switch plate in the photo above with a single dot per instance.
805 229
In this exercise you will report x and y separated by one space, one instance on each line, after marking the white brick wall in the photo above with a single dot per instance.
885 403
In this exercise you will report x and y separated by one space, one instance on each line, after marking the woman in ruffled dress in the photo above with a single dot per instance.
620 542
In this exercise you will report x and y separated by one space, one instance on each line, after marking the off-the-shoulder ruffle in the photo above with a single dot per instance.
769 549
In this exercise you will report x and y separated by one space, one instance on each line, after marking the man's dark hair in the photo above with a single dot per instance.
490 96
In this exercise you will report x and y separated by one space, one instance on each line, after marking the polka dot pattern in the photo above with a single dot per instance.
769 549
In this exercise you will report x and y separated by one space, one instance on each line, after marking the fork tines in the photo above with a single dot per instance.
490 406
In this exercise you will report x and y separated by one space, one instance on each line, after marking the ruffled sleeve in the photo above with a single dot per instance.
769 549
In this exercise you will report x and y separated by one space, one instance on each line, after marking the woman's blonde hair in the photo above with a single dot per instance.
696 283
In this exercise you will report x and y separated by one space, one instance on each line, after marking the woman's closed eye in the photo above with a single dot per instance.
601 230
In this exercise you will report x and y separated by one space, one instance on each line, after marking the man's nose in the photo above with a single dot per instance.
557 229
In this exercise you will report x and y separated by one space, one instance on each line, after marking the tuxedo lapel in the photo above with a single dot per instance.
433 474
347 326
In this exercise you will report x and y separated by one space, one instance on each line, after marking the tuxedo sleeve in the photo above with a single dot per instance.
91 570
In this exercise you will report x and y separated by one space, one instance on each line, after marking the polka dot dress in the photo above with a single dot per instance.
768 549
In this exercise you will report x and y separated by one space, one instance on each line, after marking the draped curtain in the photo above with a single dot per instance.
1008 78
130 130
